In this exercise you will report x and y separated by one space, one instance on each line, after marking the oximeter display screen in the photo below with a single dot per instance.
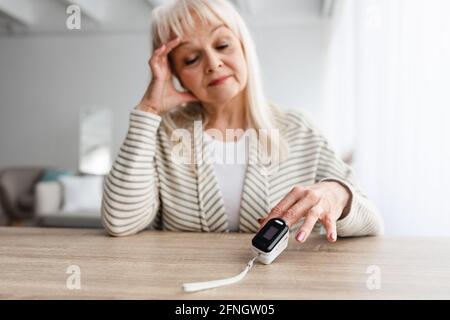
269 236
270 232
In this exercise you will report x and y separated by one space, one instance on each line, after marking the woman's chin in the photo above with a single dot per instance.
222 96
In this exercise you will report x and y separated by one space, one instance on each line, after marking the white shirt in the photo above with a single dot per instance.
230 161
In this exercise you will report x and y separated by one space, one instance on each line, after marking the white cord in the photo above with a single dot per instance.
197 286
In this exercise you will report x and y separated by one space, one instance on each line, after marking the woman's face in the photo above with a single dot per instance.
209 53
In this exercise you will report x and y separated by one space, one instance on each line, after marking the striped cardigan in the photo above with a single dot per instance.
146 189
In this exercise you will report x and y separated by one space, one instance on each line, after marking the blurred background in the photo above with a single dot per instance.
373 74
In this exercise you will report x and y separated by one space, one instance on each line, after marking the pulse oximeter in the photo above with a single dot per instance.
271 240
267 244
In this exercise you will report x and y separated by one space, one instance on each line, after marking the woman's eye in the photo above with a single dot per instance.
191 61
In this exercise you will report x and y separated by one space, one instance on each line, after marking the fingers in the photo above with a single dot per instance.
172 44
330 226
290 199
301 208
158 62
312 216
165 48
308 203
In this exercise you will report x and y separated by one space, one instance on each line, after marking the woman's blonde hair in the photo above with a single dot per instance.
177 17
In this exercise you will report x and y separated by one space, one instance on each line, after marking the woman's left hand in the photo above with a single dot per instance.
324 201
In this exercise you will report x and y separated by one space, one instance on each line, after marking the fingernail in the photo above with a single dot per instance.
333 236
301 236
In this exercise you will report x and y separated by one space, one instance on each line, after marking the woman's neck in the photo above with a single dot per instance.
229 116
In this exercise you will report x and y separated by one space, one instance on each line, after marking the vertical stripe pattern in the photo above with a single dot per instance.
146 189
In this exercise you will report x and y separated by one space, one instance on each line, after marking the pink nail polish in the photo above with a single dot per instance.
333 236
301 236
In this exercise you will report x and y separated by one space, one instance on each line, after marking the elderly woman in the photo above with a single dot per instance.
205 48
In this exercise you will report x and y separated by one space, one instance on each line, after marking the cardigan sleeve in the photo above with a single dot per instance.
363 217
130 192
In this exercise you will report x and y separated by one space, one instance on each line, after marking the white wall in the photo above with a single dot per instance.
45 80
293 62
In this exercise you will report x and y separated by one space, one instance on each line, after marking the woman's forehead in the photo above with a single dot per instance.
206 32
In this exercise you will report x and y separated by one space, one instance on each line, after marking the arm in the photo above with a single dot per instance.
334 199
131 194
360 216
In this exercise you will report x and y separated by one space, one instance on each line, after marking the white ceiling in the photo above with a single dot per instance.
32 17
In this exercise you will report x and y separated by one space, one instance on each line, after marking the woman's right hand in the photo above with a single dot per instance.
161 94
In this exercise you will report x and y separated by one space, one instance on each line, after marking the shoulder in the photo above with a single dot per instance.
297 120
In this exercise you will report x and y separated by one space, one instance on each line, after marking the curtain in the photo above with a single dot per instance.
387 99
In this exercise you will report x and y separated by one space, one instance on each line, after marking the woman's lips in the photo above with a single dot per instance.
219 81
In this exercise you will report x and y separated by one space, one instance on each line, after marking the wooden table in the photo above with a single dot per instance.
153 265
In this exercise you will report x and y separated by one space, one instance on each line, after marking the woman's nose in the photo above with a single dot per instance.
213 63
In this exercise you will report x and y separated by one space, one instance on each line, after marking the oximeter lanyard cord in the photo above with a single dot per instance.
197 286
